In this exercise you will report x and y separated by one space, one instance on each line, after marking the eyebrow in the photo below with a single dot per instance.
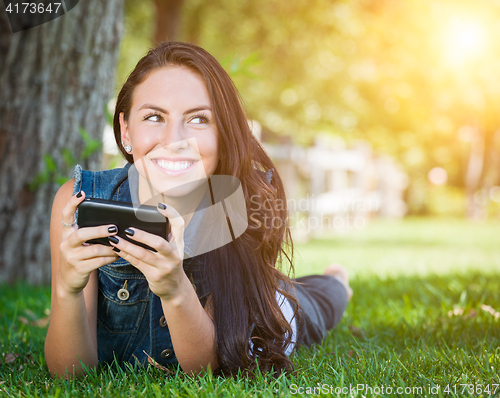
157 108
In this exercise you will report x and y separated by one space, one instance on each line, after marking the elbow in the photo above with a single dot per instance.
67 372
199 369
66 368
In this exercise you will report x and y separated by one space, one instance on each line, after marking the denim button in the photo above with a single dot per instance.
123 294
163 322
165 354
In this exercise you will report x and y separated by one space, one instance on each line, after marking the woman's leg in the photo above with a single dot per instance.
322 301
338 271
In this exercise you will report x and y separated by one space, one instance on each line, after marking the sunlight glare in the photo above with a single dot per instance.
465 39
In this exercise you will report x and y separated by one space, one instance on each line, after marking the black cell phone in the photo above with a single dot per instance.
95 212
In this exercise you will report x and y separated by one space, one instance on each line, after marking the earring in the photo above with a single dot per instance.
128 148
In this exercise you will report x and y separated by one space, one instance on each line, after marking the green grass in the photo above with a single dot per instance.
424 314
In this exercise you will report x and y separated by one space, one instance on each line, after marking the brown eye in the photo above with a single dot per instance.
199 120
154 117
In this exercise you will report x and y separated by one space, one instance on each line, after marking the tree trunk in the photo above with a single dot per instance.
168 20
473 177
55 79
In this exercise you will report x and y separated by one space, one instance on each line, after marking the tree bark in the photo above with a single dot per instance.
55 79
168 20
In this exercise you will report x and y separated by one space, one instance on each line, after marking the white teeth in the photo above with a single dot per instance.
173 166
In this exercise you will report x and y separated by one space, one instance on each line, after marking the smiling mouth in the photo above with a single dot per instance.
175 167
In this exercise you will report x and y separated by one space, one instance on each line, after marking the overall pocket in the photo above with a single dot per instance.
122 300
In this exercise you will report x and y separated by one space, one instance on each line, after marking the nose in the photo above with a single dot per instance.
177 146
174 138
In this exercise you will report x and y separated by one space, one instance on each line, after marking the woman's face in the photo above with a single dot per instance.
172 131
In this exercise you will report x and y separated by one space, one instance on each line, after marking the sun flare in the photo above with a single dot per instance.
464 40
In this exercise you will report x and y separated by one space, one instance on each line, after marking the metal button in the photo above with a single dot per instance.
123 294
165 354
163 322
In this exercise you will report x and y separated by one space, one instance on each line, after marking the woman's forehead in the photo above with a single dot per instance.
174 85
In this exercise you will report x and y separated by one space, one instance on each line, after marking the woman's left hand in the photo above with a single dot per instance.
162 269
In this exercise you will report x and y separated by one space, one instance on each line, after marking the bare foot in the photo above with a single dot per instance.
338 271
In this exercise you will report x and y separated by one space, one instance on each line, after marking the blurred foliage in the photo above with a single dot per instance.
408 76
59 174
138 34
446 200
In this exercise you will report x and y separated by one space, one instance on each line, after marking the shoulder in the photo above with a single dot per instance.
61 199
79 173
63 195
98 183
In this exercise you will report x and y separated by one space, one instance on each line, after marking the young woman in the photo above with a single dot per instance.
180 124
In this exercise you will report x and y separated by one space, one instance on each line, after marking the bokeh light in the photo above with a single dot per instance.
437 176
495 194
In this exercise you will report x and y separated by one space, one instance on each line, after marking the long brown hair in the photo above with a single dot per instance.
243 276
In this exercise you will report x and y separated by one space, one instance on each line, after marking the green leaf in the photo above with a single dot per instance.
84 134
61 180
236 65
68 157
91 145
108 115
91 148
50 163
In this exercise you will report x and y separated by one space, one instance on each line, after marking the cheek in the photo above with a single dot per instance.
210 154
143 141
208 147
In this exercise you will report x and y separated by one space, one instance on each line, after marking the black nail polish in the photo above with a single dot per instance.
161 206
113 239
79 194
115 249
112 229
129 232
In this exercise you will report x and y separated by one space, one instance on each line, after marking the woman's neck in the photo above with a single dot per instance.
185 205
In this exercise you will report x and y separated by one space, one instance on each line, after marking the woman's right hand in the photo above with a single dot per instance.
78 259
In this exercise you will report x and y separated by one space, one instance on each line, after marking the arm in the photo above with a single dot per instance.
71 336
191 329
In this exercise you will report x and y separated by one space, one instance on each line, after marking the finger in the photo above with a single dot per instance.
157 242
140 265
177 226
84 253
88 258
90 265
81 235
95 251
127 248
68 213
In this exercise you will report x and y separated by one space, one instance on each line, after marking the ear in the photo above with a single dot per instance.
124 129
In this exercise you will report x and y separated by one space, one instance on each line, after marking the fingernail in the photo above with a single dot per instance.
161 206
79 194
129 232
115 249
112 229
113 239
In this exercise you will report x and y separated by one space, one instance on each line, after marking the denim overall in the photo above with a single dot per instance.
130 321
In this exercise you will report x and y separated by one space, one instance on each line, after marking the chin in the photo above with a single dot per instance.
180 190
